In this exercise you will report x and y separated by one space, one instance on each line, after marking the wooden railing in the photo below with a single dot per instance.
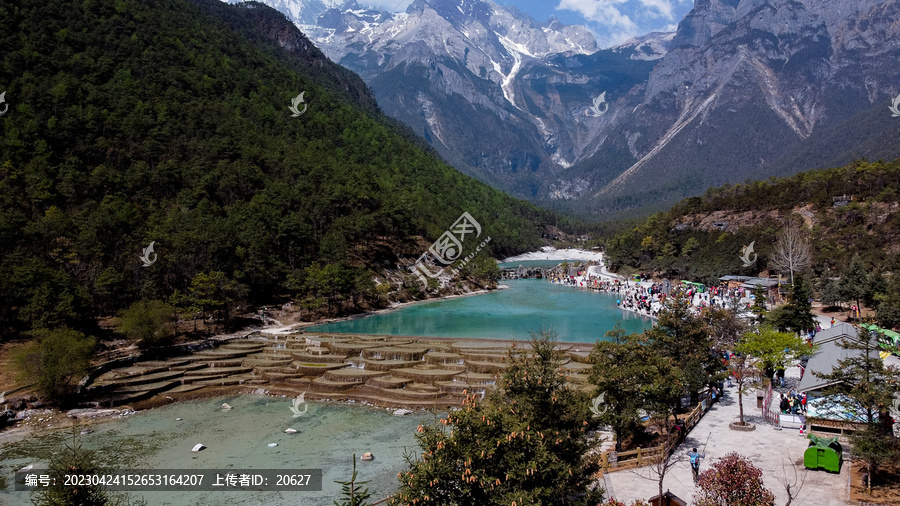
652 455
631 459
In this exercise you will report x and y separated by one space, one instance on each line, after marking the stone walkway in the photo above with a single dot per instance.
776 452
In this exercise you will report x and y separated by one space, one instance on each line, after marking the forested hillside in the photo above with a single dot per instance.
138 121
843 212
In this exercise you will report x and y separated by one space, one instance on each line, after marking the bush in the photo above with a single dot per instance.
149 322
55 361
733 481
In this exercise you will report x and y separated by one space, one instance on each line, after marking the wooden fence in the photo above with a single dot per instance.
616 461
630 459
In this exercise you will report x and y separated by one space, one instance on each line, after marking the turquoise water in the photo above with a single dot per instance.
576 315
238 439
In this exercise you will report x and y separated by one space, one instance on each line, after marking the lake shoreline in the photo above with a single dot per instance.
394 307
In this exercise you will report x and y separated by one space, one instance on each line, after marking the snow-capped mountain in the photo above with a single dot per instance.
743 89
652 46
455 69
303 12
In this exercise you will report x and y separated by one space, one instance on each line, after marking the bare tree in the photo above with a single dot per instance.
744 371
792 252
669 457
792 485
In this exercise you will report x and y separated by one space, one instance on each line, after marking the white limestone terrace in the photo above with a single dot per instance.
551 253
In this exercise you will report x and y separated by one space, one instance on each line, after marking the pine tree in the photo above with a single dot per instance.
854 284
630 378
684 339
796 315
862 384
759 303
352 495
525 444
75 460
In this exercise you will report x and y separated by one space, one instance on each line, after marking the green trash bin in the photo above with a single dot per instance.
823 453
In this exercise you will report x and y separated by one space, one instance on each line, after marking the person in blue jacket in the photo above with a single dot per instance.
695 457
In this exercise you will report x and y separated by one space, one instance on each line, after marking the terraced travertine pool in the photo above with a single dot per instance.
388 370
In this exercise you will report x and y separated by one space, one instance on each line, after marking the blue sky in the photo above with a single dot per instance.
612 21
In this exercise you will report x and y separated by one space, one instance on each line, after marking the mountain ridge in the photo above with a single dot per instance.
742 89
132 124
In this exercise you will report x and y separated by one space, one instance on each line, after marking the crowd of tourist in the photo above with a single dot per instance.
646 298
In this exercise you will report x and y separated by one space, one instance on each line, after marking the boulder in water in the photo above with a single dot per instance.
290 430
197 447
402 412
273 445
225 405
367 456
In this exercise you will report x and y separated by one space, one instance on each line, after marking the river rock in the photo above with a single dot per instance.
273 445
367 456
290 430
402 412
225 405
178 419
197 447
16 403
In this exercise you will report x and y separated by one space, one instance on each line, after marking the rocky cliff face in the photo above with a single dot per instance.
752 89
500 96
743 89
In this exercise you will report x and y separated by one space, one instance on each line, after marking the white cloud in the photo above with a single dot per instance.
620 20
388 5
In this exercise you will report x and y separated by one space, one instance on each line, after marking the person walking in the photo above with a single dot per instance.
695 457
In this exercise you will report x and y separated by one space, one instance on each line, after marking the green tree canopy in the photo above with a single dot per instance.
684 339
862 384
55 361
74 460
774 349
795 316
854 283
631 379
525 444
147 322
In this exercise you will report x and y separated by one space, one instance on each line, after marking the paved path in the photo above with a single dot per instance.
773 451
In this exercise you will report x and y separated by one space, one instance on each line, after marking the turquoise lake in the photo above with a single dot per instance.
576 315
329 433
